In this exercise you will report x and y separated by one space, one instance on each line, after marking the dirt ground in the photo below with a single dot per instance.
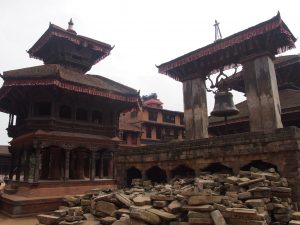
4 220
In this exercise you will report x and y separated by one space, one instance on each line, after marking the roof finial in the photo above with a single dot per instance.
70 27
218 34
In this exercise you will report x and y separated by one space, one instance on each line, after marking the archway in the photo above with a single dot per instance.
182 171
259 164
103 164
217 168
79 163
156 174
132 173
52 160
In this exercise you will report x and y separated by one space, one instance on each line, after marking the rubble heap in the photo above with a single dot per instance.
251 198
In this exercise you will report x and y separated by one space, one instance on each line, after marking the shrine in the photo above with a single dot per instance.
254 49
62 121
266 143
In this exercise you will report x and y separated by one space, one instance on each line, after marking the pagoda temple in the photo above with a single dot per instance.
62 121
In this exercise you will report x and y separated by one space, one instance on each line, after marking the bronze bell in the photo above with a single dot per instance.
224 105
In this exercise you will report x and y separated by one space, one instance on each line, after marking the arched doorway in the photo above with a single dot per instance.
104 164
156 175
79 164
52 160
217 168
132 173
259 164
182 171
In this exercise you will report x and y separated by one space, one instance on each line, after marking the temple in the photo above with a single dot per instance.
254 49
62 121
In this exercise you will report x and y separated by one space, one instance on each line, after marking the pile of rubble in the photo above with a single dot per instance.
251 198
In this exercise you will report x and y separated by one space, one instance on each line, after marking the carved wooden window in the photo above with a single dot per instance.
176 134
97 117
65 112
152 115
158 132
168 118
42 109
81 114
148 132
133 139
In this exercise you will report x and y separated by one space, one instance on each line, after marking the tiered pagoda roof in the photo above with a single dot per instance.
66 47
67 56
271 37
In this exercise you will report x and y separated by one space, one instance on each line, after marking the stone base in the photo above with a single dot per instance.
46 196
16 206
60 188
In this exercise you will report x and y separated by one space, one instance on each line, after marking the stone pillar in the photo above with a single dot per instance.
110 168
27 165
195 109
92 165
12 165
144 176
67 164
169 175
19 165
262 94
37 165
101 166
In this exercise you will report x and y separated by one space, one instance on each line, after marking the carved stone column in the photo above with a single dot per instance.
19 166
262 94
92 165
195 109
67 164
27 166
12 165
37 165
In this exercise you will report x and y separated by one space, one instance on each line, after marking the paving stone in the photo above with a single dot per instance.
124 199
193 214
106 207
162 214
204 200
174 206
47 219
159 204
217 217
69 223
199 208
296 215
142 200
201 221
255 202
107 220
145 216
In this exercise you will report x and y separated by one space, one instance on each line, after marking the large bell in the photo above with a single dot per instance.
224 105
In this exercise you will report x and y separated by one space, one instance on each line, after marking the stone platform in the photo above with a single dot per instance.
279 148
46 196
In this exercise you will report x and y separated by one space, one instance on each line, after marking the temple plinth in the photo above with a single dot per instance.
262 40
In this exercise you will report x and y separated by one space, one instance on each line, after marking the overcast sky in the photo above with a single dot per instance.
145 34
